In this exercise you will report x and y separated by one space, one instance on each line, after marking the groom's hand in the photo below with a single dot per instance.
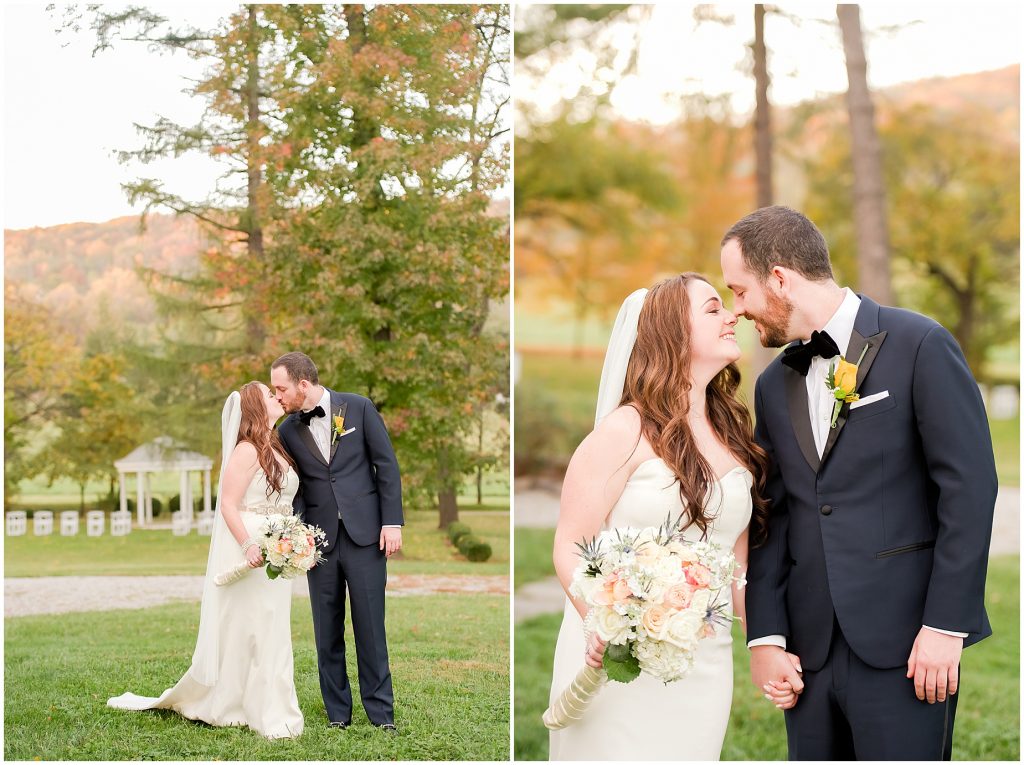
934 665
390 540
773 668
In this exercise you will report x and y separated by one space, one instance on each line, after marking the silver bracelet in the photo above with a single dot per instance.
249 543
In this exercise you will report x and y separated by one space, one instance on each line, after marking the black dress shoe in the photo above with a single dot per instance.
339 725
387 728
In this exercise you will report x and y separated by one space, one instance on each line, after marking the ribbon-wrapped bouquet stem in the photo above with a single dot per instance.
652 596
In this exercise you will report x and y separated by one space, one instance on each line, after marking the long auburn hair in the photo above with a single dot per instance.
253 428
658 384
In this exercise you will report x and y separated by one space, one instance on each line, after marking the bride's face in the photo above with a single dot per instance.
712 327
274 408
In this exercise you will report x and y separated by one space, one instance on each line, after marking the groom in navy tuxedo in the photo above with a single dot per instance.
869 576
349 486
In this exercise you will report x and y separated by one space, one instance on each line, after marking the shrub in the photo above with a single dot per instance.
158 506
174 505
474 548
456 531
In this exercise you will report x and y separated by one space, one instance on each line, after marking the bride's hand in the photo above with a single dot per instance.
595 652
253 556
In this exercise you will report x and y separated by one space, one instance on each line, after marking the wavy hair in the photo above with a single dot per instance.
253 428
658 384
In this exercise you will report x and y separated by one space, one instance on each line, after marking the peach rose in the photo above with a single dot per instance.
678 596
614 590
698 575
654 619
284 546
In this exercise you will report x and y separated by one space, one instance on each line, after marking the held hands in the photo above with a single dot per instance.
934 665
778 674
595 652
390 541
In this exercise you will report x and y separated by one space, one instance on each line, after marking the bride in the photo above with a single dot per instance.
670 434
242 670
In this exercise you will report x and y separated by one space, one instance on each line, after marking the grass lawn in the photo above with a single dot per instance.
987 720
143 553
533 555
449 660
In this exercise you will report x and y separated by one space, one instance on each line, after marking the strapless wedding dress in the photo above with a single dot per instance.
647 719
251 658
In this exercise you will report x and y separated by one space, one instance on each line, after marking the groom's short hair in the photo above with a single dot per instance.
780 236
299 367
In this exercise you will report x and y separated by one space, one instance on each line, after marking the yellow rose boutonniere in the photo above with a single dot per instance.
842 383
339 428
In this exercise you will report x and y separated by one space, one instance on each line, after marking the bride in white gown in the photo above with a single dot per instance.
667 409
242 668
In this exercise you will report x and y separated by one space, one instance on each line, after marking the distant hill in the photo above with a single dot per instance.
87 273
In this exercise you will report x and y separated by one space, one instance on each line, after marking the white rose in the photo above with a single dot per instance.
700 602
683 630
610 626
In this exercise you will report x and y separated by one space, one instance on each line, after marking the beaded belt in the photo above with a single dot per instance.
265 509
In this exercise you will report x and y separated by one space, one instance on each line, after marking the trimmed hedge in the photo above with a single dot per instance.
474 549
456 531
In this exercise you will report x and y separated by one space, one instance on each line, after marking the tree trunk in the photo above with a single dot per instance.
866 155
446 497
81 498
761 356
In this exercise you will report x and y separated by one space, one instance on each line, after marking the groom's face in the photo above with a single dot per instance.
755 300
290 395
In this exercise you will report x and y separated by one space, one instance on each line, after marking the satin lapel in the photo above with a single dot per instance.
337 410
857 343
309 441
799 415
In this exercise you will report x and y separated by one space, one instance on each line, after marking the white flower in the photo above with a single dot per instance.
683 629
611 627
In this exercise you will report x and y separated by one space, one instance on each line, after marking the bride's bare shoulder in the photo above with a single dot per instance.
623 422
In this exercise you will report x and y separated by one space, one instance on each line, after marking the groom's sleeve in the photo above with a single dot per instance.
298 501
957 446
768 564
385 463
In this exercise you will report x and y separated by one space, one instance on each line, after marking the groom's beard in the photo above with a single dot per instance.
774 322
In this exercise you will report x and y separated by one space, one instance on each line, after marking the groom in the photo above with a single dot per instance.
872 575
349 487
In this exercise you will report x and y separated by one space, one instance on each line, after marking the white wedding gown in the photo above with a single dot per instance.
647 719
247 674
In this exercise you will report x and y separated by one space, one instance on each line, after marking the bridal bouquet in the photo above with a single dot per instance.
652 597
289 547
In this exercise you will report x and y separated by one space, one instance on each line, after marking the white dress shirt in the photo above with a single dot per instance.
320 429
820 403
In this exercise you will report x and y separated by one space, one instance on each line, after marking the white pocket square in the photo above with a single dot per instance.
869 399
345 433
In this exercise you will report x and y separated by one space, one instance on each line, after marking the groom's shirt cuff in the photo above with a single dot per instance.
776 640
391 526
945 632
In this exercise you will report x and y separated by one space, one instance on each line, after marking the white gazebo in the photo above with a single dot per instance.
162 455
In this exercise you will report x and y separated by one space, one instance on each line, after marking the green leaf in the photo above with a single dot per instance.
273 571
620 664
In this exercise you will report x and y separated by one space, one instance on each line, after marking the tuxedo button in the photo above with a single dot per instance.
826 509
333 479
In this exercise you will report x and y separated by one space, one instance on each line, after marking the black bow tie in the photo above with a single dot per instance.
799 357
306 417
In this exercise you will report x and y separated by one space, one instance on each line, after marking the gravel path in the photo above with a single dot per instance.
63 594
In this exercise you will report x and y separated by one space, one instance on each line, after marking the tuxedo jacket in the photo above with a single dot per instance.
359 485
889 530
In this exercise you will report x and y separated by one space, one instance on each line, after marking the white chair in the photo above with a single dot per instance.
17 523
69 523
204 524
181 523
42 523
120 523
95 520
